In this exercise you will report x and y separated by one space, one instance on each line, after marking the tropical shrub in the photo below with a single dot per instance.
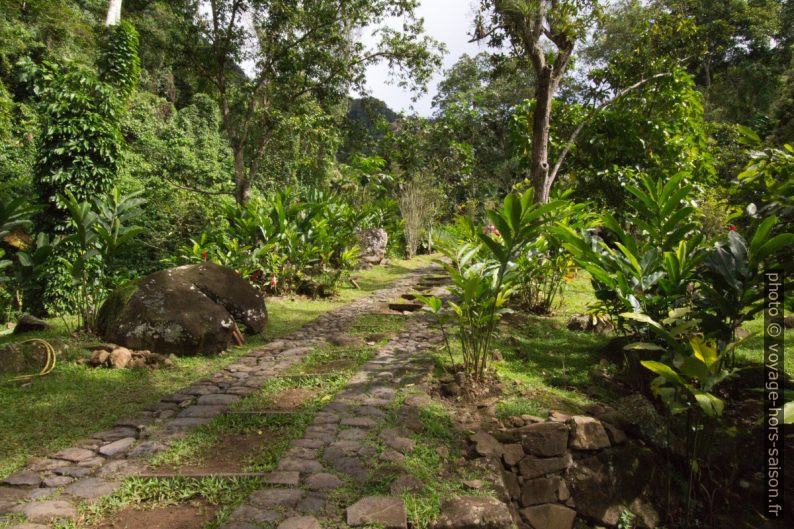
688 375
482 271
96 233
648 264
730 287
544 267
290 242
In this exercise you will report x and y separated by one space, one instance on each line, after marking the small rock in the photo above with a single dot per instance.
474 484
289 478
540 490
587 433
391 456
23 479
28 323
378 510
549 516
474 512
450 389
75 455
616 435
546 439
120 357
218 399
512 453
300 522
91 488
57 481
47 511
323 481
534 467
406 483
359 422
304 466
276 497
486 444
73 471
117 448
35 494
146 449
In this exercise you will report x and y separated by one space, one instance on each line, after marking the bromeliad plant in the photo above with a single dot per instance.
481 271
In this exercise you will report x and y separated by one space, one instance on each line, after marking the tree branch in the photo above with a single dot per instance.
591 115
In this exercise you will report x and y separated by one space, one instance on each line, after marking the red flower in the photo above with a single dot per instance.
732 227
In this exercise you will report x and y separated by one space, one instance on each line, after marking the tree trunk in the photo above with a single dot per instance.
541 120
242 184
114 13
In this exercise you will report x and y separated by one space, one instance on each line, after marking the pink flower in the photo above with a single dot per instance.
491 230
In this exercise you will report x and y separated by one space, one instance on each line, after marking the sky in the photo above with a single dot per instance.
449 21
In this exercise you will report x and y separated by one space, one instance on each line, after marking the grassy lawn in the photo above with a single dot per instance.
75 401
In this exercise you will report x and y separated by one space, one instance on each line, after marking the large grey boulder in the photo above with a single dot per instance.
187 310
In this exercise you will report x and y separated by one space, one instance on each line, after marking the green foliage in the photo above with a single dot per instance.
647 264
293 241
481 272
98 230
731 279
119 63
80 145
544 268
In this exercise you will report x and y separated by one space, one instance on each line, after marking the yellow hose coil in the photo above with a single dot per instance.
48 367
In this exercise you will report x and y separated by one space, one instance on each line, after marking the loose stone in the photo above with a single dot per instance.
117 448
385 511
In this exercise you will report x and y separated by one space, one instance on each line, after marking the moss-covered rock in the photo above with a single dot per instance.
188 310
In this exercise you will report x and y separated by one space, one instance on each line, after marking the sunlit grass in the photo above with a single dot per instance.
75 401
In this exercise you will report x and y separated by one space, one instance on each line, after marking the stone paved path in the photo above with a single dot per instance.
342 445
332 449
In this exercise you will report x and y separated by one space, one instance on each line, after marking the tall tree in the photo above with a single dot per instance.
266 57
546 32
114 13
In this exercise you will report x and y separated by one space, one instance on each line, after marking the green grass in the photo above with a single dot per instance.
75 401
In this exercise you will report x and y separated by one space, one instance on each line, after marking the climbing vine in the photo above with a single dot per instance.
119 62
